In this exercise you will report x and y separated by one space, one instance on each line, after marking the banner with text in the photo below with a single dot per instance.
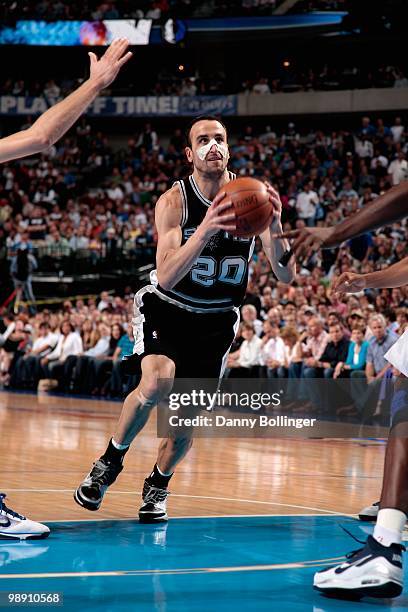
129 106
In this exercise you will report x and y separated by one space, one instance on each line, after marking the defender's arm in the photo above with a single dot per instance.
59 118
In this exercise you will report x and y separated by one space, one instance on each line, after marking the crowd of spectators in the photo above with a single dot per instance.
328 78
305 6
77 349
177 83
149 9
84 197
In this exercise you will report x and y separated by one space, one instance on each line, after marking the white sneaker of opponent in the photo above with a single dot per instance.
374 571
17 526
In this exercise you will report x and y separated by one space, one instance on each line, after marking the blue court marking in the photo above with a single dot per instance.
245 563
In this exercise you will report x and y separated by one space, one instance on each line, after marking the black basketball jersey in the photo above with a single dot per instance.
218 280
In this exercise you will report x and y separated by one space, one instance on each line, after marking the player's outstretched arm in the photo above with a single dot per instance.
59 118
388 208
394 276
173 260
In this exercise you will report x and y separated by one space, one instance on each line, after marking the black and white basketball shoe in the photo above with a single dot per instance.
154 508
372 571
90 492
15 526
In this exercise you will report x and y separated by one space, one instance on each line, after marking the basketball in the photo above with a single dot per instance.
252 207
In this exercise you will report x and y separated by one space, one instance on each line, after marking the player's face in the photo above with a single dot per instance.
209 148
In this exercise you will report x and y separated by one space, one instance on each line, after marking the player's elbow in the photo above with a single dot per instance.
164 281
41 141
45 142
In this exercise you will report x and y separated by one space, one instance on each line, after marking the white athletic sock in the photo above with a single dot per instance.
119 446
163 473
389 527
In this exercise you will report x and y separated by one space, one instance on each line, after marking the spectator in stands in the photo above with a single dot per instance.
105 301
189 87
51 89
23 264
335 350
79 369
400 79
398 168
306 204
261 87
272 351
124 348
293 364
249 315
69 343
28 373
102 365
313 349
397 130
356 356
366 385
14 339
245 362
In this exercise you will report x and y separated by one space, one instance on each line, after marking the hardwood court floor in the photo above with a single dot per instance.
48 444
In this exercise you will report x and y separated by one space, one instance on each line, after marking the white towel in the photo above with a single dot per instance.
397 355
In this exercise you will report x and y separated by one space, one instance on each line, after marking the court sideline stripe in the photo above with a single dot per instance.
182 571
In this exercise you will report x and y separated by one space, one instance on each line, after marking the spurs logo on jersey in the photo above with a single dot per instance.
218 279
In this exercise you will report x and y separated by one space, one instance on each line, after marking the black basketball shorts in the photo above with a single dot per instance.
198 343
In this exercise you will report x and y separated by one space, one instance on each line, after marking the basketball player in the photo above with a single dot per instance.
37 139
376 569
186 319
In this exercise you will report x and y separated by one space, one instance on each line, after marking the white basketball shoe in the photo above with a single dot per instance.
18 527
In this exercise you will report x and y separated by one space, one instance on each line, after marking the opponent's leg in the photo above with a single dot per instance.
156 382
376 569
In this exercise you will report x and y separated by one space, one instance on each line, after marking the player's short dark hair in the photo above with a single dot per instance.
201 118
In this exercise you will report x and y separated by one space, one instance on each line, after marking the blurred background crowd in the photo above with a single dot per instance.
77 234
84 202
154 9
286 78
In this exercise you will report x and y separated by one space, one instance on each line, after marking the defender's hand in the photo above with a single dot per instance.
105 70
349 282
307 240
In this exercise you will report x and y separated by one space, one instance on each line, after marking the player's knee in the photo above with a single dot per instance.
157 383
